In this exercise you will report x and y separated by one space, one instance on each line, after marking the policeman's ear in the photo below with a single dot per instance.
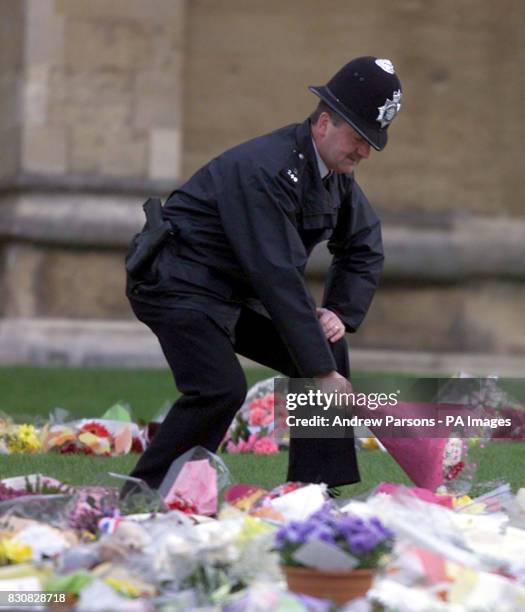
323 122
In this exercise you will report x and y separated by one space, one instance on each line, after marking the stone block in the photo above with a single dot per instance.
117 151
34 96
9 101
44 149
81 284
165 154
9 152
44 38
22 264
494 317
117 43
85 149
412 318
125 153
154 10
158 96
12 24
100 98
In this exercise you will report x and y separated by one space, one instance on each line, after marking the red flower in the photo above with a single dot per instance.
455 470
136 445
72 447
96 429
181 504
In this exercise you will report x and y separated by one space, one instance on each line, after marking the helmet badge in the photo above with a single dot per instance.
389 110
386 65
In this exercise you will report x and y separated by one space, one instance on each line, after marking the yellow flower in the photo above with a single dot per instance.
369 443
98 445
23 440
251 528
123 586
12 551
461 501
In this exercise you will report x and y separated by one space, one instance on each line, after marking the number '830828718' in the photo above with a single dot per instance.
31 597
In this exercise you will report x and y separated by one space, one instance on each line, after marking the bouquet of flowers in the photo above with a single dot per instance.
22 438
332 555
194 481
113 434
90 438
253 429
363 542
440 458
103 437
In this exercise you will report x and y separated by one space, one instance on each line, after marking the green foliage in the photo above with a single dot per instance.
42 487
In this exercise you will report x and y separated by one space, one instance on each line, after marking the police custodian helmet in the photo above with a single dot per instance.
367 94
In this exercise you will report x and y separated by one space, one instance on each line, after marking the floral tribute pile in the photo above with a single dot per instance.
112 434
98 549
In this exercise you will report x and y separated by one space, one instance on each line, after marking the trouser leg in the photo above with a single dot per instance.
209 377
329 460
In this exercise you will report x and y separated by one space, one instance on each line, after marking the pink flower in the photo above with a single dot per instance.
233 448
256 404
242 446
265 446
260 417
268 402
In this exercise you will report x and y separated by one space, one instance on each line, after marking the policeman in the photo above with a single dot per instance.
230 277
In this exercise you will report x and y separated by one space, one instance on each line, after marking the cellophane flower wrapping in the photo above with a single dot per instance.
449 464
254 428
446 556
484 399
195 478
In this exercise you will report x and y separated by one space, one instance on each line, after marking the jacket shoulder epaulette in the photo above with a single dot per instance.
294 168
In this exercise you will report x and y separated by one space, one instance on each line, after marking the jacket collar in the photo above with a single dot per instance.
316 197
305 145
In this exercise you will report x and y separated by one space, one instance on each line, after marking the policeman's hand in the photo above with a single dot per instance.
331 324
334 383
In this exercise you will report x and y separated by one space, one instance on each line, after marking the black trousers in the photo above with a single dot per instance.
203 360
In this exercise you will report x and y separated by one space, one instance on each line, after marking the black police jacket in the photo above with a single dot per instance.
244 226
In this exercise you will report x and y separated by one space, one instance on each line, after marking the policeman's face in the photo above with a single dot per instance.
340 146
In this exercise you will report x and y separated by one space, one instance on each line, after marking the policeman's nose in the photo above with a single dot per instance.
364 150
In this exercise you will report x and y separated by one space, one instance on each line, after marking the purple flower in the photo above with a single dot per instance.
366 539
380 528
323 533
363 542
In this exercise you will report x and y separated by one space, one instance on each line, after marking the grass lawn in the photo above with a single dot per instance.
89 392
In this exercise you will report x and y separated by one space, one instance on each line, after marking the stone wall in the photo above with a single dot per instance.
105 103
92 118
11 67
97 79
454 146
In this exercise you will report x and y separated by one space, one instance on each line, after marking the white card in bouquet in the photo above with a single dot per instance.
323 556
301 503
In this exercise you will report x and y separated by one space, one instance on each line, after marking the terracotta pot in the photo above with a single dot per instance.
337 586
